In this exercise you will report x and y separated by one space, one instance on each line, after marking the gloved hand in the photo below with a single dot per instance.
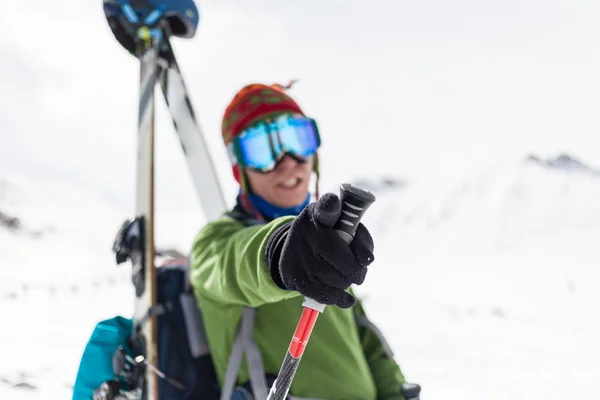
411 391
308 256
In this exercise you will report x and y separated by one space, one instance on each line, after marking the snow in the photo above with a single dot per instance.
484 282
55 285
487 286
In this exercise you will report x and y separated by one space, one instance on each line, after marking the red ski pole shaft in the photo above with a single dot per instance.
355 203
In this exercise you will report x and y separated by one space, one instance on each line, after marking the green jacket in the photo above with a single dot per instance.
229 272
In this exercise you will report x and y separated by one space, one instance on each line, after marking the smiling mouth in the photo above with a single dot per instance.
290 183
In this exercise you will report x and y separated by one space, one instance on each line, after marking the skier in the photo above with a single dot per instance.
251 269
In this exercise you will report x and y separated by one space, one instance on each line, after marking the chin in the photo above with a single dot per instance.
285 203
289 200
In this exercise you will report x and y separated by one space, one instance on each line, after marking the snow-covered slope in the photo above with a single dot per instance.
487 282
60 235
58 276
484 282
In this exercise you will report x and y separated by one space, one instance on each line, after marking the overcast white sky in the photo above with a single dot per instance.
397 86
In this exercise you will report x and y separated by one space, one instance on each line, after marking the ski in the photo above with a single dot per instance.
143 272
193 142
135 241
144 28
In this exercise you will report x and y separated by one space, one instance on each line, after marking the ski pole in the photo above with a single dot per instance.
355 203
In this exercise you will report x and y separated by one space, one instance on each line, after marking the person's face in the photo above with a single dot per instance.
286 185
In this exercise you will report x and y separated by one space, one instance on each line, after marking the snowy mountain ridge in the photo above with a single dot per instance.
492 210
565 162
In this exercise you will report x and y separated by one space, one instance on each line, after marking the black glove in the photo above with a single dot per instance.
308 256
410 391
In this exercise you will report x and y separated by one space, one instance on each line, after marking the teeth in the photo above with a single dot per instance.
290 182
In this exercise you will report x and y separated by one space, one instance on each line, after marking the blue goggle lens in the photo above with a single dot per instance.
298 136
255 148
262 145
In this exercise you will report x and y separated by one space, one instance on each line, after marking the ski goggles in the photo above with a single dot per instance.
262 145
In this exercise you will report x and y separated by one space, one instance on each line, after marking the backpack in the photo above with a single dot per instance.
107 366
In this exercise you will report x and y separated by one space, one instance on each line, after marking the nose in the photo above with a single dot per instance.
287 162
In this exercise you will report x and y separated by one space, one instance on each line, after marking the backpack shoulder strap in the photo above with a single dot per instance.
365 322
244 344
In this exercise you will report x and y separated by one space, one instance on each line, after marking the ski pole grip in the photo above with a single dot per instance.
355 202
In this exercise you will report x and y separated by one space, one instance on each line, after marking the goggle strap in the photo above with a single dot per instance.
244 181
